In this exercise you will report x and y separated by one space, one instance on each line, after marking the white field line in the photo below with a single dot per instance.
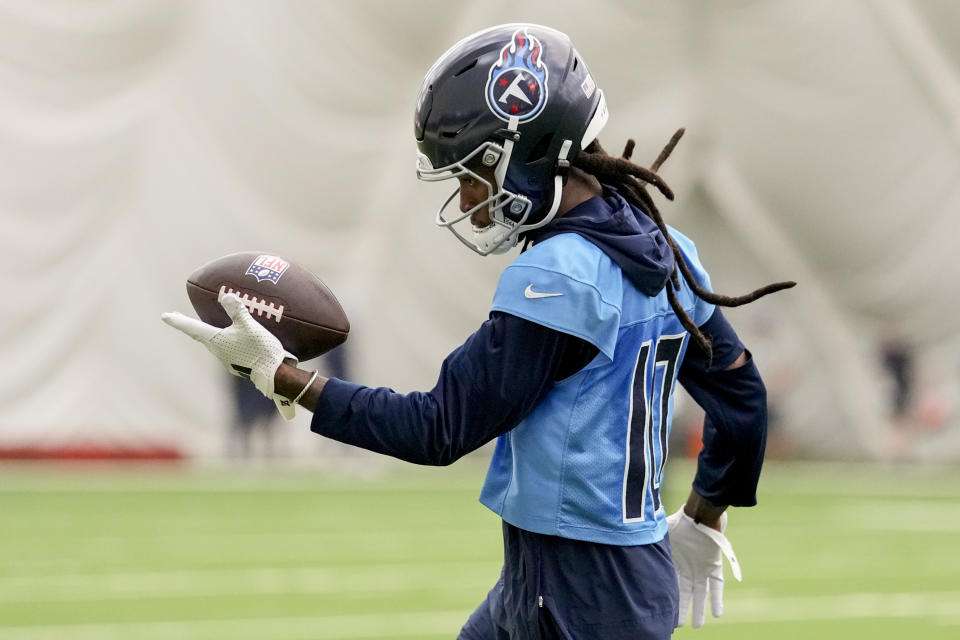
939 606
341 627
943 606
261 581
845 488
912 526
917 515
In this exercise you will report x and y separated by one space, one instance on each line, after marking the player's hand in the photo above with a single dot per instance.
245 348
697 557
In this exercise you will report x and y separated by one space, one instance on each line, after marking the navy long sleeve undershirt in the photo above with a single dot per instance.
735 425
486 387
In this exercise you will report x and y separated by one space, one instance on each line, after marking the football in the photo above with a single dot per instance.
290 301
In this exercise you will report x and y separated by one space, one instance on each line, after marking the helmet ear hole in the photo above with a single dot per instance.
517 210
539 150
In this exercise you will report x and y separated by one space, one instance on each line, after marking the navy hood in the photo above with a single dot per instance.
621 231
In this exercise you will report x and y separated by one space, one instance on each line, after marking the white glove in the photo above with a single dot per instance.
696 555
245 348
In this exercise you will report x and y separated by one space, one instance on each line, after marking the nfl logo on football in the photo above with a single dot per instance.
267 268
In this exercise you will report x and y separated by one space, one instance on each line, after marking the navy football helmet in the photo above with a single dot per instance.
518 99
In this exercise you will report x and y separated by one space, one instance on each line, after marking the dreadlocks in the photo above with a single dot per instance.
630 180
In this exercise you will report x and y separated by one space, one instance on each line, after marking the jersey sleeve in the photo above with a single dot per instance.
567 284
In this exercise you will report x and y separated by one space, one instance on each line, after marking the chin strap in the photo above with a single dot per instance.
563 165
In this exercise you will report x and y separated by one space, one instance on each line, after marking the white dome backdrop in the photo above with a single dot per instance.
141 138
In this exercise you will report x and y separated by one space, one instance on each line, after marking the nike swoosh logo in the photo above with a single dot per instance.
530 293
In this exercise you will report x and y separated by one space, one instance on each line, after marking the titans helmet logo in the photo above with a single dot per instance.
517 85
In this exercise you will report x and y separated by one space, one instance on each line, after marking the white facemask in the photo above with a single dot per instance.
494 239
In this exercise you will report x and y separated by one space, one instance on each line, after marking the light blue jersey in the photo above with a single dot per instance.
588 462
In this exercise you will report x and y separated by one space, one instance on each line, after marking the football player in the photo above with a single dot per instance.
573 373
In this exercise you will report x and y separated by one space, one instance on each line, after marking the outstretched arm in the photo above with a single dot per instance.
485 388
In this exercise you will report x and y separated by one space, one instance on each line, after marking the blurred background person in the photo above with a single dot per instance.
899 364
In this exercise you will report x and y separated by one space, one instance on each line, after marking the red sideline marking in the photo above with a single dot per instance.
90 452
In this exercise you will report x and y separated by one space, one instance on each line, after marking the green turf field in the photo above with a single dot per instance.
834 551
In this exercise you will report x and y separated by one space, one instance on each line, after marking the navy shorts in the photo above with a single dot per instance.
555 588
